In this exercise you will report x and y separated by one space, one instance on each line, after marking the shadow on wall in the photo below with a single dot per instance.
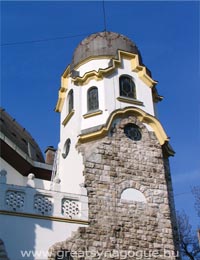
24 234
3 253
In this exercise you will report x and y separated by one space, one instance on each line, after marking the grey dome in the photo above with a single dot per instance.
101 44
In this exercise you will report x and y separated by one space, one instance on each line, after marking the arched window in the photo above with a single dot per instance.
92 99
70 101
127 87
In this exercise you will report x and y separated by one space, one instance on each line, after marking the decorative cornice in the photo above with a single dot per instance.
91 58
63 89
156 96
68 117
59 219
130 101
101 73
140 114
116 62
90 114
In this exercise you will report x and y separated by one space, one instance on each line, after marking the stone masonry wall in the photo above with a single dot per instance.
124 229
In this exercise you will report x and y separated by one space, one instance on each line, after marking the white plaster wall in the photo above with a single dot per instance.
143 92
149 128
93 65
63 112
95 120
77 106
111 89
111 93
14 177
71 168
31 234
84 90
41 184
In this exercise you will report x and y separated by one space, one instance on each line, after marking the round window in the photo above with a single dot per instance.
132 131
66 148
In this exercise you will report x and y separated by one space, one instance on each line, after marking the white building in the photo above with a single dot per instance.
33 210
105 81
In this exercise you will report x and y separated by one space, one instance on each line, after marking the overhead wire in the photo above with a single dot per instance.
57 38
44 40
104 15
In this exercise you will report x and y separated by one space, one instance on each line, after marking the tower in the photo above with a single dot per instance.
114 149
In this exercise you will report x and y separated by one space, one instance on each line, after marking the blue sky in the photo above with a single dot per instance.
167 34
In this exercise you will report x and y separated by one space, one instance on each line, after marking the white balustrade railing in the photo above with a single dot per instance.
26 199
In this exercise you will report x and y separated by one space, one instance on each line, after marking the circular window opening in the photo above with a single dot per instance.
132 131
66 148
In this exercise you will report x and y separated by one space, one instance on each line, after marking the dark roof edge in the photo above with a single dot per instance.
18 129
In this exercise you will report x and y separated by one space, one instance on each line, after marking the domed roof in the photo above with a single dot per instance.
19 136
103 44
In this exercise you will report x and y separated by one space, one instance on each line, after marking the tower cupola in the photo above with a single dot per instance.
103 44
105 80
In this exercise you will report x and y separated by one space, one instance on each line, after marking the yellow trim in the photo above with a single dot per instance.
98 75
92 58
92 75
130 101
63 89
140 114
28 215
90 114
135 66
68 117
66 72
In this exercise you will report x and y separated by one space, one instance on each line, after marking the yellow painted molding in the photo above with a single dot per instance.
63 89
99 75
68 117
90 114
93 74
130 101
92 58
140 114
58 219
116 62
66 72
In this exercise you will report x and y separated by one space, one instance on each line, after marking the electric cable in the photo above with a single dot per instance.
104 16
45 40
